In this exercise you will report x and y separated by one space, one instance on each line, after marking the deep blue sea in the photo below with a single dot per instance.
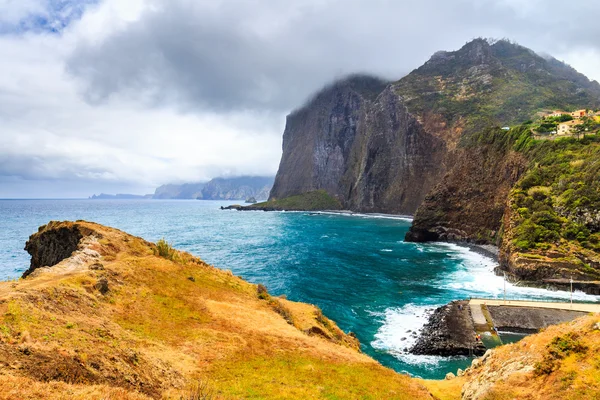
358 269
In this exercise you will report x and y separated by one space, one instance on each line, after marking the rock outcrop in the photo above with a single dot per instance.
357 141
386 148
52 244
449 332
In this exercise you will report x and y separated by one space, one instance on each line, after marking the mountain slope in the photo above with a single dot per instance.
119 317
238 188
357 141
384 149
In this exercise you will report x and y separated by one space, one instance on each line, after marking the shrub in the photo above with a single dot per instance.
282 310
165 250
263 294
559 348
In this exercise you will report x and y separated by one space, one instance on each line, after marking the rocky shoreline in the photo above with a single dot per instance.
449 332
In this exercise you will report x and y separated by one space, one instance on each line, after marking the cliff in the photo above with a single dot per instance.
481 87
552 219
380 147
357 141
103 314
186 191
241 188
238 188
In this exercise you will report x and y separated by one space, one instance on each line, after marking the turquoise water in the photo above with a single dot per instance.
357 269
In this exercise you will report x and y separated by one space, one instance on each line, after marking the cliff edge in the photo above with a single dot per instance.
103 314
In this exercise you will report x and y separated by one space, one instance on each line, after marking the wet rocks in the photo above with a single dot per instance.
449 332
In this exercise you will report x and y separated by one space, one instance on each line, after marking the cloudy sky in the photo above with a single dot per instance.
120 96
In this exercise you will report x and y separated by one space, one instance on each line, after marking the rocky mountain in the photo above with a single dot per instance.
431 144
384 147
357 141
239 188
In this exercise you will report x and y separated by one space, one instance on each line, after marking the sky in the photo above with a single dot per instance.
122 96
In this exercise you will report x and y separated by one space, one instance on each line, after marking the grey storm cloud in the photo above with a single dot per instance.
143 92
270 55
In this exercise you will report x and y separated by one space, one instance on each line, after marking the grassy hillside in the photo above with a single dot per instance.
560 363
484 84
123 318
554 210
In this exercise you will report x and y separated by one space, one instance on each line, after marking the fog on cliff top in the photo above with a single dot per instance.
122 96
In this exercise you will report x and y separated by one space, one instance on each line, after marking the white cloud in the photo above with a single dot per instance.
187 90
14 11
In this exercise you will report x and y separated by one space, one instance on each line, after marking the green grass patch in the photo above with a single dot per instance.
291 376
317 200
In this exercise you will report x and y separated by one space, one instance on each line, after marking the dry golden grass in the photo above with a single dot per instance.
167 322
445 389
550 374
17 388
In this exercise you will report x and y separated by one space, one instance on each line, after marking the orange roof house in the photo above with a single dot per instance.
566 128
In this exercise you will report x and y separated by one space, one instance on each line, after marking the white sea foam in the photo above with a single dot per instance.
399 333
360 215
386 250
475 276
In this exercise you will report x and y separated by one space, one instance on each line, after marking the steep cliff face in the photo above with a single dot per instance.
318 138
394 161
241 188
469 202
552 219
383 148
238 188
357 141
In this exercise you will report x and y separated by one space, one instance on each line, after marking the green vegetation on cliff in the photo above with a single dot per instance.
317 200
553 219
560 195
487 83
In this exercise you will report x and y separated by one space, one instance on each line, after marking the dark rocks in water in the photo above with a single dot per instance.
233 207
48 247
251 200
449 332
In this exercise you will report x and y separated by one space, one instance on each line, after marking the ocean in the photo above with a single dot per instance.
356 268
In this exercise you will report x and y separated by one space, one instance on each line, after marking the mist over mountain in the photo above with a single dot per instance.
239 188
383 147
